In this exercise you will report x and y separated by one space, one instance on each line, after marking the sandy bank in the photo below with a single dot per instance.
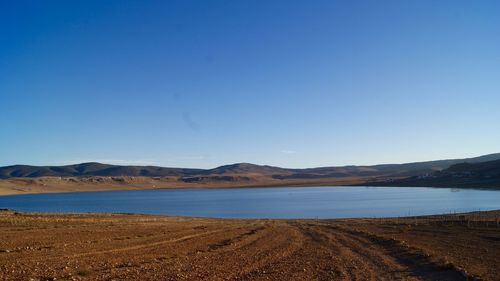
81 184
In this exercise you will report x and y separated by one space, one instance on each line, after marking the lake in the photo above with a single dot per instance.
271 202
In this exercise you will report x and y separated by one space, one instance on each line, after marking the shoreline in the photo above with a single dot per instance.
19 186
14 186
429 216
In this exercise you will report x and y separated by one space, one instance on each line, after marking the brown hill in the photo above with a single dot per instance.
91 169
240 169
479 175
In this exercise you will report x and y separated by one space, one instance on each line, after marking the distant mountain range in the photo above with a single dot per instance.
243 171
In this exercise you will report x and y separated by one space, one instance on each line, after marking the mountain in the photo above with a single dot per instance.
388 170
483 169
91 169
247 168
467 174
237 171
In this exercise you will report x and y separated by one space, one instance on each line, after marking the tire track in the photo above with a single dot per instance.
275 252
147 245
391 254
362 261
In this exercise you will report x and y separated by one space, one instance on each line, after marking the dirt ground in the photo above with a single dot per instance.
138 247
82 184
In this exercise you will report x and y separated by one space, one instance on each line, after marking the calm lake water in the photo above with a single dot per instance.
282 202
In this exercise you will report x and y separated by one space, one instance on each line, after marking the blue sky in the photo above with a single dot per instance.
287 83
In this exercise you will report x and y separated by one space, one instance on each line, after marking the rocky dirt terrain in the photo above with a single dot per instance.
136 247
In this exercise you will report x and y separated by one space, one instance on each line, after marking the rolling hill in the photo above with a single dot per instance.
241 169
467 174
91 169
472 172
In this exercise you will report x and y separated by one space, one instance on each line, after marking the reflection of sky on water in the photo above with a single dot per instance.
282 202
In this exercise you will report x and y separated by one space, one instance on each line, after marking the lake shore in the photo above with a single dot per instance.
35 185
143 247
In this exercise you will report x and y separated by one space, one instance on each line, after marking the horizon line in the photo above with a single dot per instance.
239 163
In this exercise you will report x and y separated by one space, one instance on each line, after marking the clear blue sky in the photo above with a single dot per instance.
288 83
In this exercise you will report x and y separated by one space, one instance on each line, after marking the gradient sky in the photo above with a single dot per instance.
287 83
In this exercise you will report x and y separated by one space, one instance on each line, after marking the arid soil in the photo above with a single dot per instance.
137 247
82 184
